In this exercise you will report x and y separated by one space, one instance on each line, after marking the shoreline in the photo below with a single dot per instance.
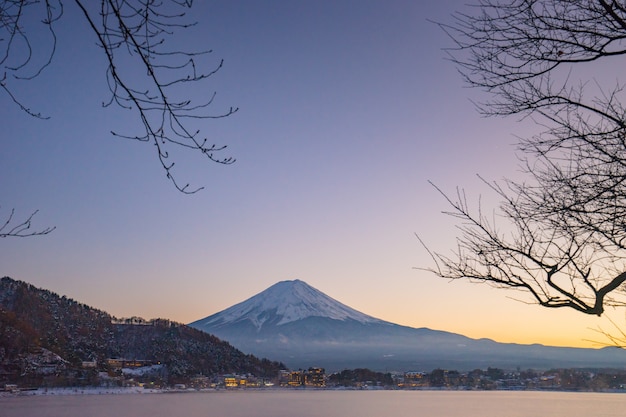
60 391
74 391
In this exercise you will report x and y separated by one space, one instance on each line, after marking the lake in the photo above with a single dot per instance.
284 403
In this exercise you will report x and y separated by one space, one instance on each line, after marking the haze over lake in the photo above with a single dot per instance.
285 403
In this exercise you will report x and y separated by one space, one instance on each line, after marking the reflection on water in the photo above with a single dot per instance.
285 403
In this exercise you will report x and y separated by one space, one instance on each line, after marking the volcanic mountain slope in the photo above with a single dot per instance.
282 303
301 326
35 323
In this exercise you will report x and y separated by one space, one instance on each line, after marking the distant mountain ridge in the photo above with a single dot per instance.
286 302
38 326
301 326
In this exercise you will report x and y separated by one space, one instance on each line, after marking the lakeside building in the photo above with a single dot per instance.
312 377
117 363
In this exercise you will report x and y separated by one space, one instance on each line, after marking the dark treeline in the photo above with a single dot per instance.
360 376
489 379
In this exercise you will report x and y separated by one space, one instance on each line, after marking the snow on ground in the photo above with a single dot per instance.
86 390
143 370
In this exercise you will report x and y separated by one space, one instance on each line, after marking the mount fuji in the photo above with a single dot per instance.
302 327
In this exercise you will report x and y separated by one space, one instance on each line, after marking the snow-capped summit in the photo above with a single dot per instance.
302 327
285 302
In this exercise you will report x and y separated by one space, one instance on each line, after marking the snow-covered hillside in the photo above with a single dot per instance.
285 302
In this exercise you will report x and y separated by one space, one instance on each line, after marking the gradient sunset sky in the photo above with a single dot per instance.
347 109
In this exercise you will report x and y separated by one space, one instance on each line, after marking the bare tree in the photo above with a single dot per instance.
560 234
142 73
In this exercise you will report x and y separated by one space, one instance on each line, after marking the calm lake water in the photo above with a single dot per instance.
321 403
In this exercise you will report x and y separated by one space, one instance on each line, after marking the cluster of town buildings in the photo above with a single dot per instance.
312 377
149 374
490 379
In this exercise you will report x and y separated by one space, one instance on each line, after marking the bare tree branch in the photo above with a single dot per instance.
143 74
21 228
565 239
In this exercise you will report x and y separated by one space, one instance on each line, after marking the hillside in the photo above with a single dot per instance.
45 338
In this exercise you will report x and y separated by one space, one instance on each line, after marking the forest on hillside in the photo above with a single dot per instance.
52 340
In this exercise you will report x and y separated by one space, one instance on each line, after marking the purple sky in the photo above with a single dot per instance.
347 109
